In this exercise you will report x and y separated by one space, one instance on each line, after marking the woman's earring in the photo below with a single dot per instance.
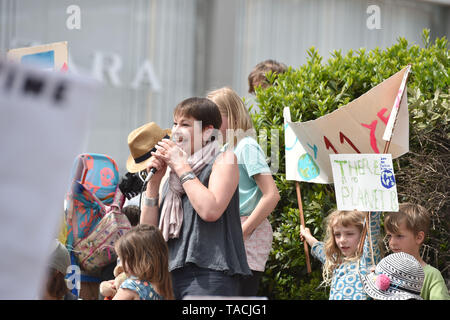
205 137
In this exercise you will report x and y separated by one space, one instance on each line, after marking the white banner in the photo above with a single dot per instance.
364 182
357 127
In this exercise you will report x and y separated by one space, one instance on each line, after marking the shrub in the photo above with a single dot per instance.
316 89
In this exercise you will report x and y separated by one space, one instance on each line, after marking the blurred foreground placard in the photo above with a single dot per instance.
43 127
364 182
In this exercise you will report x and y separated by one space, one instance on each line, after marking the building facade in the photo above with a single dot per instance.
151 54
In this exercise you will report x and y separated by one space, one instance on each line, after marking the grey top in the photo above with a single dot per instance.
215 245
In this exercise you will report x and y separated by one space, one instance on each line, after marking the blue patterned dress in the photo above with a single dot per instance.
346 283
143 288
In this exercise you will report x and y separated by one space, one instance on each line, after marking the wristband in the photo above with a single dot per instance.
150 202
187 176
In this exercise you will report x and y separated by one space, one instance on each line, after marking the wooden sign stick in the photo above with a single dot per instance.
386 149
302 221
367 219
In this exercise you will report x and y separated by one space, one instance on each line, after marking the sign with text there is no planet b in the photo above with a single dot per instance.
364 182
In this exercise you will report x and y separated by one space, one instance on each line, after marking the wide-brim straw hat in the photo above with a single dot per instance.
399 276
141 143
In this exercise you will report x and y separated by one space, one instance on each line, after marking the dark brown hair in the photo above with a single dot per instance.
133 214
201 109
257 76
56 284
144 254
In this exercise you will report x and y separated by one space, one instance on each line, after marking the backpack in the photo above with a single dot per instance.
93 211
97 250
98 176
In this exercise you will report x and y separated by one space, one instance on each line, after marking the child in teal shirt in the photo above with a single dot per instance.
258 193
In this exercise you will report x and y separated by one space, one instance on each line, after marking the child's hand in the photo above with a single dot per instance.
108 289
305 234
119 280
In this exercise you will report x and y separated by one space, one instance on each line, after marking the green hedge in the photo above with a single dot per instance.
316 89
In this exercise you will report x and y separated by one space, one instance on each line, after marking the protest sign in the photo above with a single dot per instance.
287 118
51 56
43 127
364 182
357 127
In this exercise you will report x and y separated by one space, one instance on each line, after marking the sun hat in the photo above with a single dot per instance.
141 143
60 258
399 276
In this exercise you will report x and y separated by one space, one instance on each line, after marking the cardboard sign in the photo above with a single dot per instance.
357 127
393 117
51 56
364 182
43 127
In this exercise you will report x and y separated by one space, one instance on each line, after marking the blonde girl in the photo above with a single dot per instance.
339 252
144 256
258 193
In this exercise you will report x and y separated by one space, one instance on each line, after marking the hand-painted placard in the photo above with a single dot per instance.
393 117
357 127
51 56
43 127
364 182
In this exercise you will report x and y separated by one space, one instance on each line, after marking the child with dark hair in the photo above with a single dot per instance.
257 76
133 214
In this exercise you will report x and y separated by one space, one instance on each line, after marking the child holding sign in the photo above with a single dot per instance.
406 231
343 264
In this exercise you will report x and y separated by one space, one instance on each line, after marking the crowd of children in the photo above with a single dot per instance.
208 232
350 272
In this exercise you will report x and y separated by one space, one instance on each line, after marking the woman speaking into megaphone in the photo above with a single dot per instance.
198 209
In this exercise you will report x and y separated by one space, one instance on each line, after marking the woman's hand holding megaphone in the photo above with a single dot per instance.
171 154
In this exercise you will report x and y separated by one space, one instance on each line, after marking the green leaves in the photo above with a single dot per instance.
318 88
